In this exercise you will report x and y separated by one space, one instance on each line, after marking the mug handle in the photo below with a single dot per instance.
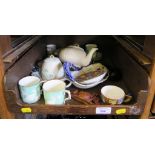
127 98
41 89
69 95
70 83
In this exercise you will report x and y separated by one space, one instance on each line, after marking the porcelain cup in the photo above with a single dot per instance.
114 95
55 92
30 90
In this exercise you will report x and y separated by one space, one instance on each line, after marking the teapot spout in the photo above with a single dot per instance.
89 56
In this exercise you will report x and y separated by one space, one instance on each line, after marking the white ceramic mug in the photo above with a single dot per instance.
30 90
114 95
54 92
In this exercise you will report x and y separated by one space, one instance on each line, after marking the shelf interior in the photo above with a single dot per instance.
134 78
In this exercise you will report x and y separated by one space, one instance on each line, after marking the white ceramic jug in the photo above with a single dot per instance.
52 68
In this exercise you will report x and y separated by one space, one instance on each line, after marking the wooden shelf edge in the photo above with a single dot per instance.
78 109
151 117
143 60
12 57
17 106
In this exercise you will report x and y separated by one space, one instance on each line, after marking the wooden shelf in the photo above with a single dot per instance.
79 109
13 55
151 117
132 50
134 79
74 107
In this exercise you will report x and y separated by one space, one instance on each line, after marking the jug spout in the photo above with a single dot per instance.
89 56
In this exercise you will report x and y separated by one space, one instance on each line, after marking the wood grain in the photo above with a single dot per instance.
149 46
142 59
8 52
5 44
4 113
150 96
17 53
71 108
153 106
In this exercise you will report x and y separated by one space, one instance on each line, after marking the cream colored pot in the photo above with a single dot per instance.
76 55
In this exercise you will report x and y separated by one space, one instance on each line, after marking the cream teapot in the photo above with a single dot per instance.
76 55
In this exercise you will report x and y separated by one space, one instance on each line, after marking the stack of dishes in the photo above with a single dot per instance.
87 77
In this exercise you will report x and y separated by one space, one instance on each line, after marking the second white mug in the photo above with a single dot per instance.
55 92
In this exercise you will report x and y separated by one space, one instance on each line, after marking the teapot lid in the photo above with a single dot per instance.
51 57
77 46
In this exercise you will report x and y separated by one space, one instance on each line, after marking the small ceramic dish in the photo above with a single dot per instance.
87 77
91 74
86 86
94 80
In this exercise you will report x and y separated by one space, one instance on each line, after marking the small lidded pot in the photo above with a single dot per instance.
52 68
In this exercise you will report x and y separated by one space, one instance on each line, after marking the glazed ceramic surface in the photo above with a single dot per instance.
30 89
70 70
113 95
91 74
55 91
86 86
90 79
90 46
76 55
87 75
52 68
